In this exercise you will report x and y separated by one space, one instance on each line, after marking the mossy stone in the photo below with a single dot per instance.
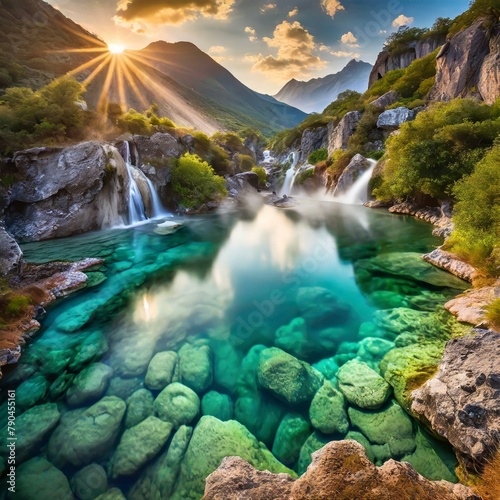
32 391
292 433
217 405
139 407
90 482
195 367
89 385
328 367
327 411
93 348
177 404
112 494
314 442
161 370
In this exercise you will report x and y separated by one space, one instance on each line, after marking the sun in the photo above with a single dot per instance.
116 48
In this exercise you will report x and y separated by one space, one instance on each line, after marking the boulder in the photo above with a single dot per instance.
11 256
320 307
90 482
356 168
386 100
38 479
290 380
161 370
461 402
139 445
363 386
177 404
313 139
451 263
139 407
239 184
33 427
211 442
217 405
67 191
339 135
314 442
112 494
195 367
392 119
32 391
489 77
89 385
292 433
339 470
390 426
87 435
327 411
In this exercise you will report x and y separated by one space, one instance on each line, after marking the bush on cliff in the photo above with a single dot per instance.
147 123
261 174
194 182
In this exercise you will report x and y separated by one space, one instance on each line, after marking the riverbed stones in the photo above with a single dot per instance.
292 433
93 347
33 427
390 426
139 407
38 479
88 435
287 378
362 386
160 370
217 405
195 367
177 404
211 442
112 494
320 306
90 482
313 443
89 384
139 445
327 411
32 391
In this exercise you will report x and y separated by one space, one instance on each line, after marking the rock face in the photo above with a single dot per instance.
340 470
461 403
451 263
358 165
67 191
338 136
11 256
247 182
386 100
313 139
392 119
469 65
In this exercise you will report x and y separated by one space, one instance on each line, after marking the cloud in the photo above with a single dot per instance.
217 49
293 12
268 6
137 14
331 7
251 34
339 53
217 53
350 40
402 20
295 56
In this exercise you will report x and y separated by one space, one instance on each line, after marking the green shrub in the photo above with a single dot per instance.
261 173
133 122
212 153
399 41
245 163
304 176
493 313
194 182
318 156
477 215
346 101
478 8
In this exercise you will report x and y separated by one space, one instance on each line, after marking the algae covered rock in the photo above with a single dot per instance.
195 367
292 433
90 482
390 426
139 407
211 442
112 494
33 427
177 404
320 306
38 479
327 411
93 347
286 377
89 384
313 443
139 445
217 405
89 435
362 386
161 370
32 391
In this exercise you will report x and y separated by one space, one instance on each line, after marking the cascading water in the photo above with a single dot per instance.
286 189
268 157
357 194
303 168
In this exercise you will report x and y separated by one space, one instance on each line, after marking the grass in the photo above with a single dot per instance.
493 315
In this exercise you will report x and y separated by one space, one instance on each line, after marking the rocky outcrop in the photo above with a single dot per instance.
338 136
11 256
392 119
428 45
469 65
313 139
470 307
386 100
461 403
451 263
67 191
240 184
339 470
358 165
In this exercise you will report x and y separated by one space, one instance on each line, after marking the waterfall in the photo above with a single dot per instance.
303 168
357 194
156 204
286 189
268 158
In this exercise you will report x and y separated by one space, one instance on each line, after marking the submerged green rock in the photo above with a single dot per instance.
161 370
89 384
362 386
177 404
139 407
217 405
212 441
327 411
90 482
314 442
291 435
112 494
32 391
139 445
195 367
287 378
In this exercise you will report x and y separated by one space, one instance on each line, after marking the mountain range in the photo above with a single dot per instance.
315 95
38 43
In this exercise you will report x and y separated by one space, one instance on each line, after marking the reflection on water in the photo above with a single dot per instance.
195 309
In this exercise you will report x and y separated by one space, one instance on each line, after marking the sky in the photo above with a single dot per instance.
264 43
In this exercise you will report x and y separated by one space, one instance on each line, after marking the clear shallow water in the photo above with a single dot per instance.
218 291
